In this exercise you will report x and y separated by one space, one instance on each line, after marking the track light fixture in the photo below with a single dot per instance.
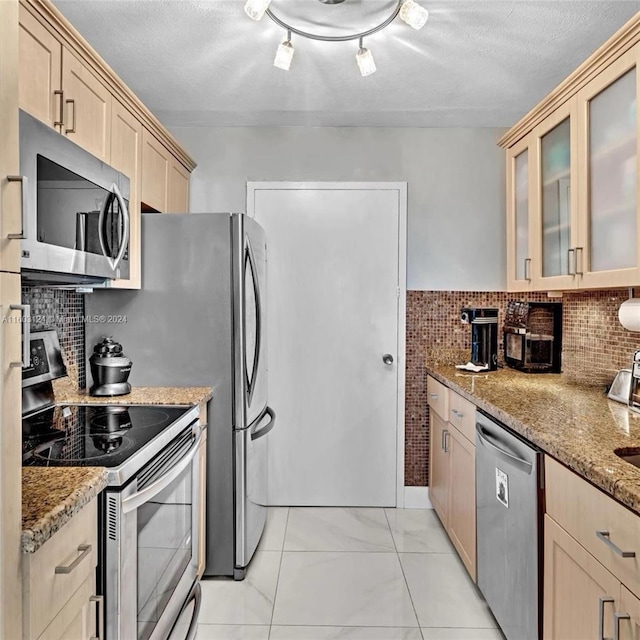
409 11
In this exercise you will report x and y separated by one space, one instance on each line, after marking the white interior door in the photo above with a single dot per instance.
335 281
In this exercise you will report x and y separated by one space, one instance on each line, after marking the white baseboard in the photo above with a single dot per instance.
417 498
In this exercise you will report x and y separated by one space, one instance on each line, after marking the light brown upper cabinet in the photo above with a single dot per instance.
178 189
165 180
40 63
86 116
156 162
572 178
59 89
608 252
126 156
520 204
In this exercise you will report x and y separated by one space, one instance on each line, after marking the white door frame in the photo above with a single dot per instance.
401 188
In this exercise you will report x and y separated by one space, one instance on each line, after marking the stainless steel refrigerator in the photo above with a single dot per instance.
200 320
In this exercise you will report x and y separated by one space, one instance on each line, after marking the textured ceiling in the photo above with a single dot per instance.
477 63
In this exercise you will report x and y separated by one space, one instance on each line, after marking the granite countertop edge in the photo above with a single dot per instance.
599 465
43 525
137 396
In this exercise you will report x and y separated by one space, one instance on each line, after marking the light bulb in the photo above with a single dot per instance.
365 62
413 14
255 8
284 55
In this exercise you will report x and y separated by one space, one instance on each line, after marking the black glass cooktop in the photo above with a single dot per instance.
99 435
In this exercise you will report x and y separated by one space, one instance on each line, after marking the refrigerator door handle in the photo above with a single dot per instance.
256 292
258 433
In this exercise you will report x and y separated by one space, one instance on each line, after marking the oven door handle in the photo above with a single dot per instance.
140 497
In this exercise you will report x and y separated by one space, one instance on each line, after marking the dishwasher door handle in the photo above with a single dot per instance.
523 465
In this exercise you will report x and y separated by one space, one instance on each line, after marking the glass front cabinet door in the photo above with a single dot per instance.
520 196
555 150
608 249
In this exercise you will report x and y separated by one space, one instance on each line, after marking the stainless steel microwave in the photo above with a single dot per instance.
75 216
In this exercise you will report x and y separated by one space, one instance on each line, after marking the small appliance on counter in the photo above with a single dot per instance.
634 388
484 337
110 369
533 336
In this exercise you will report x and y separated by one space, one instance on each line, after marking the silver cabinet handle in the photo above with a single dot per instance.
99 600
446 440
387 358
457 414
616 623
60 123
571 256
26 338
433 396
581 250
527 269
85 550
23 206
601 617
605 536
72 129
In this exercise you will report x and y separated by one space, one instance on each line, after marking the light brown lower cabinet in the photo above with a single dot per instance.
59 581
452 487
582 599
439 468
578 590
628 620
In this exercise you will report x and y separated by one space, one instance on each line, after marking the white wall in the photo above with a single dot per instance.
456 223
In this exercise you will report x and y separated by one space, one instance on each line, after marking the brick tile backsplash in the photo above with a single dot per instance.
595 346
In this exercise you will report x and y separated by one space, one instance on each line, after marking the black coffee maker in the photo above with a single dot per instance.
484 335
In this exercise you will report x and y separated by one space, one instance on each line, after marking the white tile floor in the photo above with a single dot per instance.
349 574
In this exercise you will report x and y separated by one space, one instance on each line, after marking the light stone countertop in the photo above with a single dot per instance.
575 424
51 496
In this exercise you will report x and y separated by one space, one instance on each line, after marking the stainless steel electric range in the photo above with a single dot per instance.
148 514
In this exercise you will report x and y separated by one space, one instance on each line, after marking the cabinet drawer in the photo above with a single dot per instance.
462 415
46 592
438 398
77 618
582 510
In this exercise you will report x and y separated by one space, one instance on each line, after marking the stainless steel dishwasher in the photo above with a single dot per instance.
509 501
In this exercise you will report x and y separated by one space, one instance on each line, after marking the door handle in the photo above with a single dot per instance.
605 537
26 338
387 358
581 250
85 550
23 205
72 129
60 123
616 623
99 600
527 269
601 617
125 226
446 440
258 433
571 256
524 465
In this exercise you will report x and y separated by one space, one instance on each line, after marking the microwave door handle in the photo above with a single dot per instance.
103 213
126 224
144 495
